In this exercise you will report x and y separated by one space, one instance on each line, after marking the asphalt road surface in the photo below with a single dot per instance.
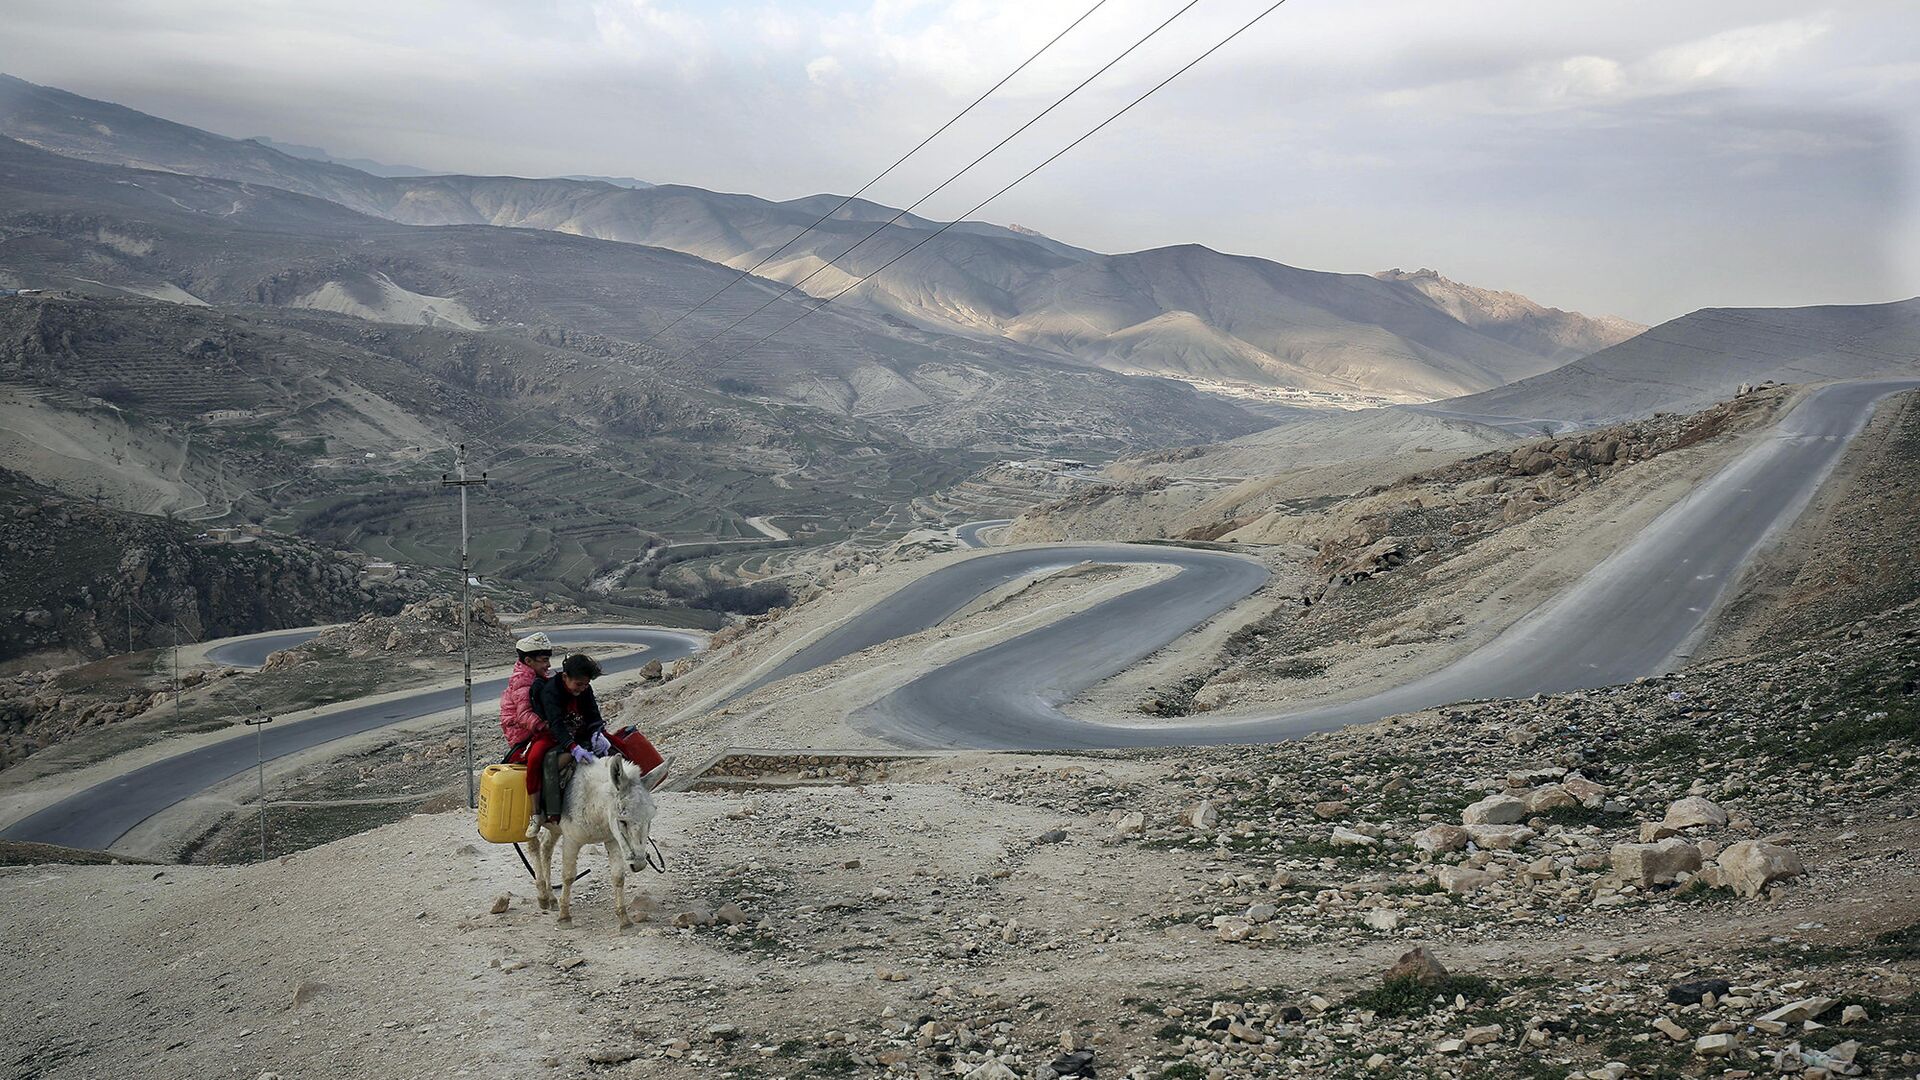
969 533
102 814
1205 584
252 652
1635 614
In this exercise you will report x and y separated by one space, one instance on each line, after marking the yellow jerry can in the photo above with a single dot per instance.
504 804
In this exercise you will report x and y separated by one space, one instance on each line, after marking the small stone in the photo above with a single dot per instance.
612 1055
1449 1046
1200 815
1853 1014
1382 919
1344 837
1481 1036
1612 1070
1461 880
1655 864
730 914
500 905
1260 913
1232 928
1131 824
1591 795
1377 1062
1333 808
1494 810
1053 836
1799 1011
1441 837
1715 1045
1418 965
1500 837
570 963
1671 1030
1551 797
722 1032
1694 812
992 1070
1752 865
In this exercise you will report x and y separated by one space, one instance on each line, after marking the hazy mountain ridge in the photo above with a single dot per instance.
1183 311
1706 356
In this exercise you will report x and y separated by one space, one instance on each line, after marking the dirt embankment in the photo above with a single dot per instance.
1170 913
1855 551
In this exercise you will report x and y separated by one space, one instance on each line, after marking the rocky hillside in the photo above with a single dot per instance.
1184 311
77 577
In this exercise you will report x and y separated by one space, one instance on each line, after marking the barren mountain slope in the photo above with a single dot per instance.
1706 356
1184 311
77 225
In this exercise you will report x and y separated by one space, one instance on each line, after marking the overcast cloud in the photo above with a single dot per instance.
1633 157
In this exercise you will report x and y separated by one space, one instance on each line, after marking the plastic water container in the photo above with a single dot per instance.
504 804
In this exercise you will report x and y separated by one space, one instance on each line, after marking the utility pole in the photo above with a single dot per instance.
259 726
460 481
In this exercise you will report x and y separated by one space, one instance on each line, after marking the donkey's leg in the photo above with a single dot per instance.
543 867
569 858
619 867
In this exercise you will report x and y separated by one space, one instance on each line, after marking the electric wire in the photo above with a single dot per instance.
783 293
790 289
1010 186
884 173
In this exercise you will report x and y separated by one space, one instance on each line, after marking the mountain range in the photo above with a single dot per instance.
1185 312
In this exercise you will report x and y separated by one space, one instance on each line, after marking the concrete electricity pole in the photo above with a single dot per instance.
459 480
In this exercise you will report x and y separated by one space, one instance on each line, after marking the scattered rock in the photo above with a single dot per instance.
500 905
1494 810
1655 864
1441 837
1693 812
1419 965
1751 865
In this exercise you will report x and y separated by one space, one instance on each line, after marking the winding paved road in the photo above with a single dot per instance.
1635 614
100 815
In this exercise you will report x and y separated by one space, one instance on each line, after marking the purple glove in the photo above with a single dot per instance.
582 755
600 744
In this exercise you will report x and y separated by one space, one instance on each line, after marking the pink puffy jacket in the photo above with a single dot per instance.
518 721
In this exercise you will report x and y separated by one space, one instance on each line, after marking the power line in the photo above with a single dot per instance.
843 203
1010 186
884 173
903 212
784 292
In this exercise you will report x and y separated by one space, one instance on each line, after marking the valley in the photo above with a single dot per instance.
1163 664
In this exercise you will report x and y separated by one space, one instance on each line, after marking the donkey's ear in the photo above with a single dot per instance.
621 781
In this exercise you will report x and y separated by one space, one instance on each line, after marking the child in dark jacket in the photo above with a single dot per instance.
574 727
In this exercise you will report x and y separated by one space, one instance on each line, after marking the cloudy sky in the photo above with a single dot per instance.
1626 156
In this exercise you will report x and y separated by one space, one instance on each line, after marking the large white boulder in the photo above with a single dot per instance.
1751 865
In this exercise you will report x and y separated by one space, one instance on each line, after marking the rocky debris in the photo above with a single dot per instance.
425 628
1418 965
1749 866
1693 812
79 579
1661 863
1495 810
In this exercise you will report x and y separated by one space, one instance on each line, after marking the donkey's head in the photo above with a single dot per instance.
632 812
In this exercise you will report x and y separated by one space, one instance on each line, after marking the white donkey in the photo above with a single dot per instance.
607 803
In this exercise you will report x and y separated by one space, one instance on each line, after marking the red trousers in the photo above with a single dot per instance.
631 744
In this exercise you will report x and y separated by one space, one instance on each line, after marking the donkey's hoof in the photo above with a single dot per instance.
564 920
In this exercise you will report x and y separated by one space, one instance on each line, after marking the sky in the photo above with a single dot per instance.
1622 157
